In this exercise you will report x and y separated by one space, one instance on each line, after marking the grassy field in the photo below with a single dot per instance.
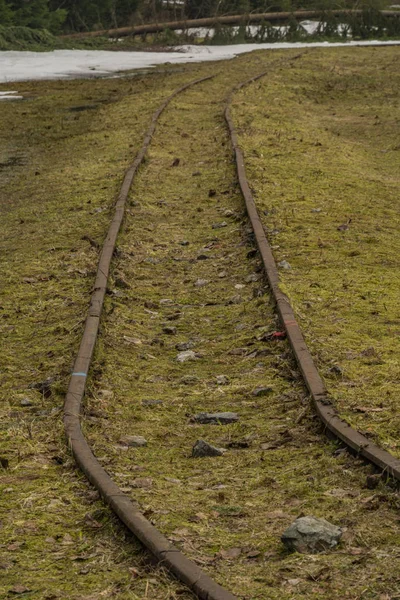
185 261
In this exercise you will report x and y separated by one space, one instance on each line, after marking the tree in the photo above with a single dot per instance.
6 14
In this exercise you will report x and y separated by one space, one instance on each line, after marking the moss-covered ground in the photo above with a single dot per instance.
63 153
323 155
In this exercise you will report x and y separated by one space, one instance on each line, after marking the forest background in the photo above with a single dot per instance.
64 16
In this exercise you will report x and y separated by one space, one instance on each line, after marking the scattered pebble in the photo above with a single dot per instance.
252 277
239 286
219 225
202 448
133 441
311 535
316 210
201 282
142 482
169 330
185 345
26 402
235 300
221 418
284 264
187 355
222 380
184 243
262 391
222 274
228 213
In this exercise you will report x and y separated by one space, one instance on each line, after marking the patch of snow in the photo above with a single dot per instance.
70 64
10 96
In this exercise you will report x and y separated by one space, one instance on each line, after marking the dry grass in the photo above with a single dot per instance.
322 147
227 513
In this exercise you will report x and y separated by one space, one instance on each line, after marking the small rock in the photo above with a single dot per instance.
202 448
166 301
222 418
252 277
26 402
262 391
219 225
239 286
44 386
228 213
311 535
316 210
133 441
222 380
222 274
189 379
152 402
187 355
201 282
284 264
185 345
142 482
235 300
184 243
169 330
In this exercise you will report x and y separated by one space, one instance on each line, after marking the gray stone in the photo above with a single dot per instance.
219 225
284 264
169 330
201 282
252 277
185 356
202 448
262 391
222 418
311 535
26 402
185 345
222 380
133 441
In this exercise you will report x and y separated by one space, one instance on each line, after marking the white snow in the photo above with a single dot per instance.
68 64
9 96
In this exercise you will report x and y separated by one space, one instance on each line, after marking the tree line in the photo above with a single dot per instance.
59 16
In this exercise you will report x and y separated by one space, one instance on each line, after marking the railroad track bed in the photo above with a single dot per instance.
186 279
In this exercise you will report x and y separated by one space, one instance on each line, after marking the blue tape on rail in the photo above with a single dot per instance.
79 374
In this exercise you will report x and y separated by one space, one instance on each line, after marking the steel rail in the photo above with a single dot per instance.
167 555
319 394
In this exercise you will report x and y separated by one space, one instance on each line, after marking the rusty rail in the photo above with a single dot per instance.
169 556
324 408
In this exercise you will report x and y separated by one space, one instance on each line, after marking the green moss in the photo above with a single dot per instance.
243 499
323 161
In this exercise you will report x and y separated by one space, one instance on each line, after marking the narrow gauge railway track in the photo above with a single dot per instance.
168 555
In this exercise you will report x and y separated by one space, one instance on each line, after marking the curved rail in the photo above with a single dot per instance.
324 408
169 556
